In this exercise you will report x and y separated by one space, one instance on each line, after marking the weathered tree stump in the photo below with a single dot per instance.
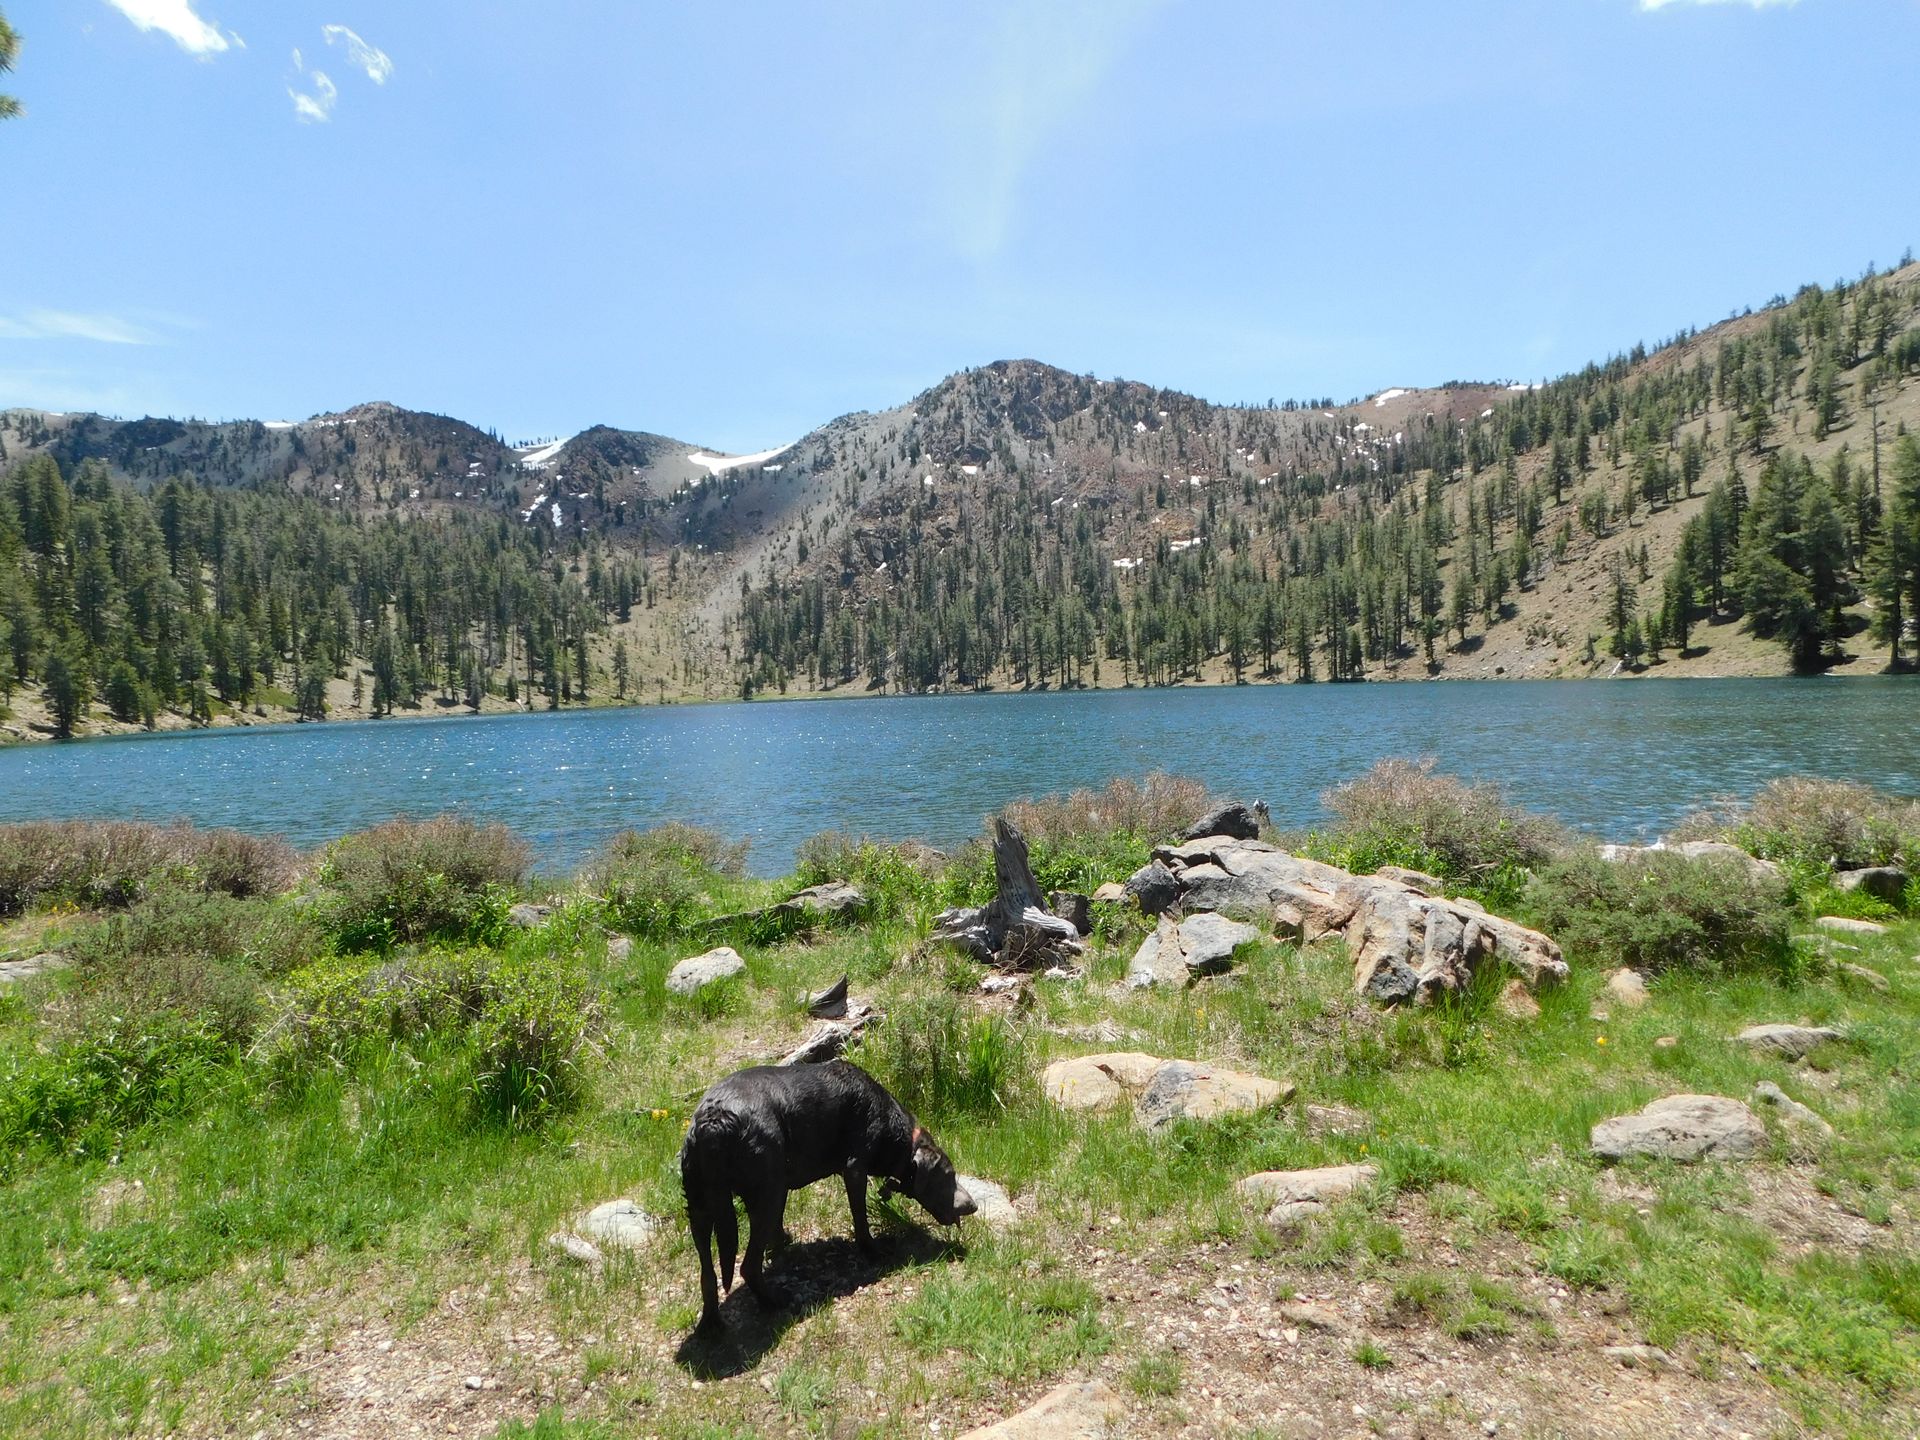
1014 930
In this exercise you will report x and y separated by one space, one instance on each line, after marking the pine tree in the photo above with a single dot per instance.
9 49
1893 573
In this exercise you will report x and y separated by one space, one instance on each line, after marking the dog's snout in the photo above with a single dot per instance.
963 1202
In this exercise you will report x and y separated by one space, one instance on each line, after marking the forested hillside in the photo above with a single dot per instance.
1743 499
1740 500
193 602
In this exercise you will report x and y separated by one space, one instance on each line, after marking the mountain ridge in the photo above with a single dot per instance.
1017 524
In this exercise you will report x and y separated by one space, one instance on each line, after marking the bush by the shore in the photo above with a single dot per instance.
109 864
409 880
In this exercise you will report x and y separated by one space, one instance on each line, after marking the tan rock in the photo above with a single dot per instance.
1627 987
1847 925
1516 1000
1095 1082
1293 1195
1078 1410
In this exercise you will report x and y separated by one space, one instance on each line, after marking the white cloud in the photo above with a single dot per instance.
316 108
369 58
176 18
1750 4
68 325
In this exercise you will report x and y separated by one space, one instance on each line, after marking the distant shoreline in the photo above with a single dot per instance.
14 735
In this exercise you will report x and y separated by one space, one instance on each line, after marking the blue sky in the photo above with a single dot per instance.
732 222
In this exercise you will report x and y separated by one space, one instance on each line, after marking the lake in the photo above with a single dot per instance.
1622 760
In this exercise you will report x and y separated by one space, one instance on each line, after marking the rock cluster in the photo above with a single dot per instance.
1407 944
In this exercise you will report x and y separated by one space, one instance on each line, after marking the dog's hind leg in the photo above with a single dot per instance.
701 1224
766 1217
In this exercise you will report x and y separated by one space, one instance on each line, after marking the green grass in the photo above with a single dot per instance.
270 1215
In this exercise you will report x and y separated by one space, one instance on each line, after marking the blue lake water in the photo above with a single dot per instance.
1621 760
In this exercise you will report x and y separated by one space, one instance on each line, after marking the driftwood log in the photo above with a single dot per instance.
1015 930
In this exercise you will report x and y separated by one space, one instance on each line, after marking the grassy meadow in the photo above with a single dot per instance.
283 1142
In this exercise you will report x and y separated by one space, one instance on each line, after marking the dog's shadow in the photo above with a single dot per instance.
805 1277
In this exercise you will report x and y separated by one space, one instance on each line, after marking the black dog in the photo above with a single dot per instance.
764 1131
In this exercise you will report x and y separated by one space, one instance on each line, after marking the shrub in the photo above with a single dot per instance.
110 864
1807 821
115 1075
657 883
1401 812
940 1057
692 847
527 1022
409 880
528 1040
1152 810
1658 911
266 937
894 876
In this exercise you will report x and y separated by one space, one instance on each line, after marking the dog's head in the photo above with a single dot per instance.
932 1180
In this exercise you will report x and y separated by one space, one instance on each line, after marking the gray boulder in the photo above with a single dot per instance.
1153 888
1790 1042
1234 821
620 949
1882 882
1793 1114
43 964
618 1225
1627 987
1074 908
1184 1090
991 1205
691 976
1177 953
529 917
1684 1128
831 897
1847 925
